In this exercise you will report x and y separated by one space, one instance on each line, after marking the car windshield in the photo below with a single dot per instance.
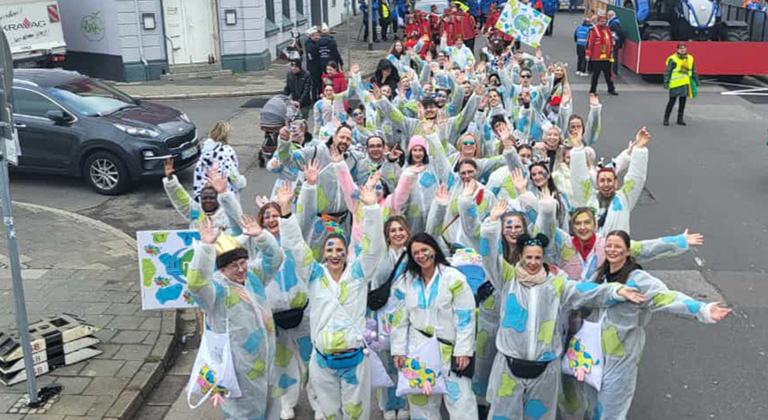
90 97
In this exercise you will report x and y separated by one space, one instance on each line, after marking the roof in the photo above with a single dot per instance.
46 77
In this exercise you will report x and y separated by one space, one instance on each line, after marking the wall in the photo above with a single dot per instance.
152 40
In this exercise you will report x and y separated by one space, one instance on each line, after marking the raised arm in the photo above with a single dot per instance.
200 272
662 299
594 121
581 181
664 247
179 197
490 243
372 246
638 169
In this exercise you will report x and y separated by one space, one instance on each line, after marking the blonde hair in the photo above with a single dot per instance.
220 132
478 151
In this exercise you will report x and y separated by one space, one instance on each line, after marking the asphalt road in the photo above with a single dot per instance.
710 176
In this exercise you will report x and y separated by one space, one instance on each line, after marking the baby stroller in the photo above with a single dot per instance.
275 114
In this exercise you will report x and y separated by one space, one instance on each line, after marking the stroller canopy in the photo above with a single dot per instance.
277 111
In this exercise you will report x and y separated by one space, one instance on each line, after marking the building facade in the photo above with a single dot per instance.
136 40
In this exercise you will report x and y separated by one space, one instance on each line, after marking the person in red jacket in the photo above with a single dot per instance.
434 23
448 27
336 78
466 24
599 54
424 25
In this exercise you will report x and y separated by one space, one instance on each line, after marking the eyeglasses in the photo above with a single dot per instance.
525 76
468 142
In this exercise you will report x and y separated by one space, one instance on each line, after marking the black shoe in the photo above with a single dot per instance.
666 122
482 412
375 40
613 92
681 122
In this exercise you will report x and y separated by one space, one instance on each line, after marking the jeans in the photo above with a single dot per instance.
603 66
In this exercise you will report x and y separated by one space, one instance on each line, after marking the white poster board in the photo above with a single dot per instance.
522 21
164 256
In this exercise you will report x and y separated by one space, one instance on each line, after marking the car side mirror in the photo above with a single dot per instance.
58 116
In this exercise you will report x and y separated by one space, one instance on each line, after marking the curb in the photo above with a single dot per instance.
160 359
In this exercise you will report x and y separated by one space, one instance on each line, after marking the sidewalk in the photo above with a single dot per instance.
76 265
267 82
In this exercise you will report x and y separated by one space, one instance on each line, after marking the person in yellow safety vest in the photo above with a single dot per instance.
385 19
681 79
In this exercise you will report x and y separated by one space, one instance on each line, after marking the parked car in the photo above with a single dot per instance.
70 124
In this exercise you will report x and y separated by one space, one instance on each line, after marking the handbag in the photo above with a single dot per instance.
468 371
585 352
213 371
379 296
290 318
421 373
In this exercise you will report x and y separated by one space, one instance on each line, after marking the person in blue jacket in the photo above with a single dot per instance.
364 9
580 37
550 8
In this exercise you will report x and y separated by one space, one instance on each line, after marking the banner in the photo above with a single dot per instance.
522 21
164 256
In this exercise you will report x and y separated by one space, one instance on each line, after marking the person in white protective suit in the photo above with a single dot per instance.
434 299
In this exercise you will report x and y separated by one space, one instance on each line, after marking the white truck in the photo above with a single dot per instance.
33 29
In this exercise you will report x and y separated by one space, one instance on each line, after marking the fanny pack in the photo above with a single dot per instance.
484 292
379 296
526 369
346 360
467 372
290 318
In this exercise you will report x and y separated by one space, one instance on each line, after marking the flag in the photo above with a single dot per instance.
522 21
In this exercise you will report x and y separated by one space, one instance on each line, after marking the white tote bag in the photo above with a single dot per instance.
384 320
422 371
213 371
379 377
585 350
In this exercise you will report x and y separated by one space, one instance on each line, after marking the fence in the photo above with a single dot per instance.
756 19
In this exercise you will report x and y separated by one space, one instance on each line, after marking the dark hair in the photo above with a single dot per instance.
334 235
424 161
332 64
394 52
512 253
374 136
329 143
629 266
578 117
296 62
526 69
428 102
498 118
524 146
501 97
395 219
412 266
526 240
468 161
263 210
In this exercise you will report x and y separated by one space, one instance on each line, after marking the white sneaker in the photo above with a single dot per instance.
390 415
403 415
286 413
319 416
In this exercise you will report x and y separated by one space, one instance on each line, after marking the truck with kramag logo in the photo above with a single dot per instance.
33 29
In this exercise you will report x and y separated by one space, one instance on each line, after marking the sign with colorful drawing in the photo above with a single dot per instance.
164 256
522 21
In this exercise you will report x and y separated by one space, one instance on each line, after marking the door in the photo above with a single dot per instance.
325 11
44 143
317 14
189 27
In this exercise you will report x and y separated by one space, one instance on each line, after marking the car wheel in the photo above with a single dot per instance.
106 173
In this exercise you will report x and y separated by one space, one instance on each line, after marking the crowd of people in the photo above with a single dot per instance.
452 208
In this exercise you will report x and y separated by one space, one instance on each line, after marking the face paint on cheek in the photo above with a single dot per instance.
343 255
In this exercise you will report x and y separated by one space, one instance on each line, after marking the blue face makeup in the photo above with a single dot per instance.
330 243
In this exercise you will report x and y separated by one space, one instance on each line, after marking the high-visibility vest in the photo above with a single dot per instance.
683 71
384 11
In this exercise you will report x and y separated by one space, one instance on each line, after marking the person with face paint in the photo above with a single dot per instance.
300 138
376 161
435 300
623 325
526 372
469 148
212 196
542 184
230 289
330 107
339 371
362 127
498 248
428 180
615 206
511 182
492 113
590 131
329 206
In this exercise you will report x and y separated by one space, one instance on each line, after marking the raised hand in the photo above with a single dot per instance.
631 294
311 171
479 90
336 156
693 239
499 209
208 231
284 134
519 180
250 225
168 167
367 195
441 195
717 312
217 181
539 54
394 154
546 194
373 180
642 137
285 195
354 69
469 188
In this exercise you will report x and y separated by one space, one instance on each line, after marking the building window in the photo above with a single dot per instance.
286 9
270 10
300 7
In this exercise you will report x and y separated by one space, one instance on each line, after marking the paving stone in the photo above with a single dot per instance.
151 324
150 412
106 386
102 405
7 401
123 322
75 405
92 308
168 390
102 367
71 370
126 405
72 385
129 369
11 416
133 352
169 323
147 377
82 418
184 363
44 417
108 350
98 320
121 309
129 337
163 349
105 335
151 338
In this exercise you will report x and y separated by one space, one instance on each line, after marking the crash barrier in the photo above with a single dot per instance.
756 19
58 341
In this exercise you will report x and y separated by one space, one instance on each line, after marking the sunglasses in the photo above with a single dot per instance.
468 142
525 76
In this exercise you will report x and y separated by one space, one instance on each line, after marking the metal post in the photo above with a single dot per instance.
6 132
350 7
371 30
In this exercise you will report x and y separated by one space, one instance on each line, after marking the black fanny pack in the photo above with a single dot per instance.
379 296
467 372
526 369
484 292
290 318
